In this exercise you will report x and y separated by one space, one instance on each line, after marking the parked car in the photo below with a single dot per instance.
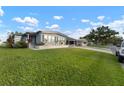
120 52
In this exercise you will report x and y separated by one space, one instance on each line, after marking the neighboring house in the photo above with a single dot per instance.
83 42
47 38
17 38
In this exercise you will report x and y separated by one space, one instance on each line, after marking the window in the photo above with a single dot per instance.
56 39
43 38
50 38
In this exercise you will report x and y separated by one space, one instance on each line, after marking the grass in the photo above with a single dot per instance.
59 67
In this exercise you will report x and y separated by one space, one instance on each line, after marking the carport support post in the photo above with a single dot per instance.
74 43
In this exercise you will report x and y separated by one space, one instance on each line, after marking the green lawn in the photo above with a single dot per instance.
59 67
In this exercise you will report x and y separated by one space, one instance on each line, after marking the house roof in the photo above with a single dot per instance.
31 33
83 40
51 32
58 33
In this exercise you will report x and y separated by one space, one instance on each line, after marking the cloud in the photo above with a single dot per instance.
81 32
93 24
78 33
1 12
3 37
54 27
26 29
117 25
68 32
96 24
85 20
58 17
4 34
18 19
31 21
101 18
47 23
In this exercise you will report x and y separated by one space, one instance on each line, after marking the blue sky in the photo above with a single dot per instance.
74 21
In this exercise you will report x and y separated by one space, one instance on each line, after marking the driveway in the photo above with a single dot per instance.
105 50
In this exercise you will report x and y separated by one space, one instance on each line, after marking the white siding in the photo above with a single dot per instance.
51 39
45 38
17 38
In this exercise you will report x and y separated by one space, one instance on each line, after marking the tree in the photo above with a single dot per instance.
18 33
102 35
10 40
117 40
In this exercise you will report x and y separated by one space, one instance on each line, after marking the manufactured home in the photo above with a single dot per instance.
41 39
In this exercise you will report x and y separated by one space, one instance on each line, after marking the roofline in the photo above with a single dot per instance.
47 32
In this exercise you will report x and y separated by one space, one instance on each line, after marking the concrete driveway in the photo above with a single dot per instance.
105 50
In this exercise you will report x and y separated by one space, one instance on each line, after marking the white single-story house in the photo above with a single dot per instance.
48 38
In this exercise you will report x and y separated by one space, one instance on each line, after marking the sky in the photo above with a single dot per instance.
74 21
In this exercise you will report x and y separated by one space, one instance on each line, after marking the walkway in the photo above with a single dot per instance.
105 50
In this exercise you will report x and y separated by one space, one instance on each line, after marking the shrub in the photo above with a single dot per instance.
21 44
4 45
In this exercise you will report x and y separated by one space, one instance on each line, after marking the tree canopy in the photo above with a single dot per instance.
103 35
